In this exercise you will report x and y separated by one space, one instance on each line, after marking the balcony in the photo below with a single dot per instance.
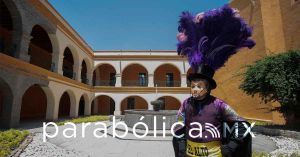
167 83
85 80
69 73
105 82
143 83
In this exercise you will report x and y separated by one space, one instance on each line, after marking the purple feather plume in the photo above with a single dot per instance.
213 36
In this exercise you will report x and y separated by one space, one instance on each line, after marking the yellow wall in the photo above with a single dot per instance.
228 77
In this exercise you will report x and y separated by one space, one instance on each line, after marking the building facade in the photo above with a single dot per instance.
47 71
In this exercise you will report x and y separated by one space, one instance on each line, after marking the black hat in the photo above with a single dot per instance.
204 72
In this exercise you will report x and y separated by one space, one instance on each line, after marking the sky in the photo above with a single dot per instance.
129 24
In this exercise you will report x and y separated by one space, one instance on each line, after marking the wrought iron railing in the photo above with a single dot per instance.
85 80
135 83
167 83
69 73
105 83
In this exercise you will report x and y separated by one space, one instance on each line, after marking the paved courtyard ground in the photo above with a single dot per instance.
129 146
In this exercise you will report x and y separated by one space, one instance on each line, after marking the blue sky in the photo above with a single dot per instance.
129 24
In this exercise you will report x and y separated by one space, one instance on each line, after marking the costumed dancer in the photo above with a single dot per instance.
208 40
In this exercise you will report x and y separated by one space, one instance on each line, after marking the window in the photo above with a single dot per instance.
169 80
112 79
130 103
142 79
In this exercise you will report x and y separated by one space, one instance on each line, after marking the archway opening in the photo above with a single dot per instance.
1 102
40 48
68 64
133 102
104 75
84 78
135 75
34 104
64 105
167 75
6 98
103 105
187 74
170 103
6 30
81 106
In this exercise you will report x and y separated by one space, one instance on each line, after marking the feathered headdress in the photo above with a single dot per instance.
212 37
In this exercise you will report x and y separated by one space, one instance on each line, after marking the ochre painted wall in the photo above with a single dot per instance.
160 74
229 77
140 103
130 74
171 103
40 57
34 103
104 71
103 105
291 23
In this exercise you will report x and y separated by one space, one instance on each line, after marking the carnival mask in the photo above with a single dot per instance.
198 89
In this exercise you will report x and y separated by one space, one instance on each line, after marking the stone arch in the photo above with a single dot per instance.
10 43
89 67
67 100
170 103
133 102
82 106
103 105
6 100
83 73
187 74
167 75
34 103
135 74
40 48
68 63
104 75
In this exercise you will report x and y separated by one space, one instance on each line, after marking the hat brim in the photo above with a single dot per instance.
211 81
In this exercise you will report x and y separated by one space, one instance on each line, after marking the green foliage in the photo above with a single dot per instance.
85 119
275 78
10 139
264 154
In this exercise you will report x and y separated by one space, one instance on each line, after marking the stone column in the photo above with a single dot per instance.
11 112
87 108
24 45
97 77
74 106
77 71
183 80
52 109
150 80
150 107
118 80
58 60
117 111
89 76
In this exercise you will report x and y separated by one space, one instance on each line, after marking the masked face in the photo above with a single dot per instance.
199 88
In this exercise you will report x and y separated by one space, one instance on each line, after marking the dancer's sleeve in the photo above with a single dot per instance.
181 117
231 118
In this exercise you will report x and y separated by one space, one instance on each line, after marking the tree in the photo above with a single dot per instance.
277 78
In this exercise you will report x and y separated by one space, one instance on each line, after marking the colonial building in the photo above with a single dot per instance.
47 71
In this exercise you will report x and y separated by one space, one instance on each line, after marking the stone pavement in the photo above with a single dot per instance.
114 147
